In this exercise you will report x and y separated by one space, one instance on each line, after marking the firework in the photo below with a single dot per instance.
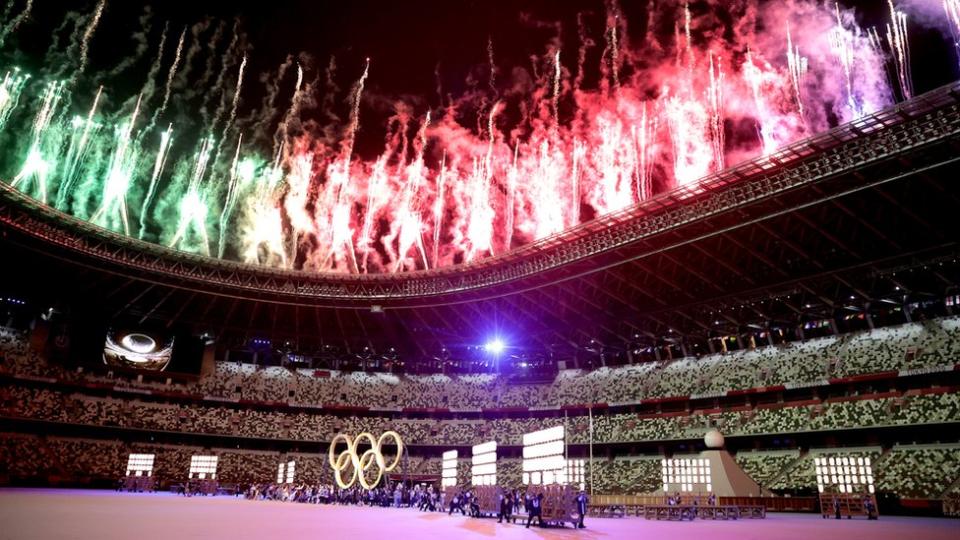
484 174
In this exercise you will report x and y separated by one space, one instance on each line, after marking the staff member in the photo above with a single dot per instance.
506 507
581 500
535 510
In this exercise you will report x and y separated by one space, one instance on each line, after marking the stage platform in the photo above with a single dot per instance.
50 514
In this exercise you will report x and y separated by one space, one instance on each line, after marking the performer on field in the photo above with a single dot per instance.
506 507
581 500
457 503
536 510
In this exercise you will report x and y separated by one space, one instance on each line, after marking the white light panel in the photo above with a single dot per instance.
686 475
543 457
140 464
285 472
575 473
203 467
536 437
449 473
847 474
484 464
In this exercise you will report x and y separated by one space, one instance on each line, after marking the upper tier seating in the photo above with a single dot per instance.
928 345
42 403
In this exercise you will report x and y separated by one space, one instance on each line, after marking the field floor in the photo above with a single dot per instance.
51 514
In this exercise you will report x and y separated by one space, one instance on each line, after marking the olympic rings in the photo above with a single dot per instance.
361 463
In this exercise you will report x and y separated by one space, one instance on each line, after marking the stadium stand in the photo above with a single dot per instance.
929 345
920 471
765 467
78 408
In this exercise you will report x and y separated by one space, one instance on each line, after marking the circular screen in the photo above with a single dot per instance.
137 350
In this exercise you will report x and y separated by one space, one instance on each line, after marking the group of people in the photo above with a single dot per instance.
466 503
677 500
423 497
869 507
386 496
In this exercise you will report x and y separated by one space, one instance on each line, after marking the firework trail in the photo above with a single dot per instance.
512 180
952 9
259 120
165 136
797 67
120 175
233 110
77 152
557 71
715 99
753 75
354 113
229 57
579 155
14 24
281 132
438 209
183 83
492 83
341 234
10 90
88 35
613 49
159 164
149 85
900 49
36 167
688 37
408 230
203 84
236 97
842 47
168 88
644 135
377 197
231 198
481 215
193 207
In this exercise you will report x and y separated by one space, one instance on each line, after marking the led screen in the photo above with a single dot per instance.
137 349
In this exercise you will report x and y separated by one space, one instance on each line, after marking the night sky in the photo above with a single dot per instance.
406 41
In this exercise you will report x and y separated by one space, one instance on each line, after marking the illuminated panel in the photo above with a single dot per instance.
203 467
285 472
542 436
449 476
484 464
686 475
845 474
140 464
575 472
543 457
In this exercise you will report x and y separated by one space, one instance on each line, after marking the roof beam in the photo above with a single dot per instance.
183 307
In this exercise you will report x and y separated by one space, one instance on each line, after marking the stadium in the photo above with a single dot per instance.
684 268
